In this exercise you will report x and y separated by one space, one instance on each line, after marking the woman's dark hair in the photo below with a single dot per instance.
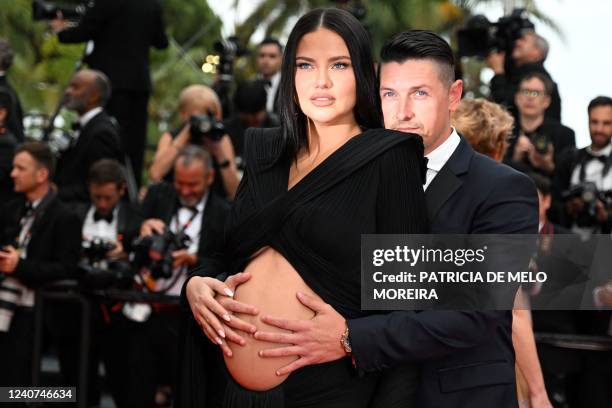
367 110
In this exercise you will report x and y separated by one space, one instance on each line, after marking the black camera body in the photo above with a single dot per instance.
43 10
479 36
540 142
590 194
95 250
205 126
154 252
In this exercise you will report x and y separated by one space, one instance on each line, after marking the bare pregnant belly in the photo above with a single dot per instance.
272 288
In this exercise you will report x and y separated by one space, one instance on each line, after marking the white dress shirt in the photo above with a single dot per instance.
83 120
100 229
437 158
177 223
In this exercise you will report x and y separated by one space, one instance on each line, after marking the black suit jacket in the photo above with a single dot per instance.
467 357
15 120
55 246
162 202
99 139
8 143
122 31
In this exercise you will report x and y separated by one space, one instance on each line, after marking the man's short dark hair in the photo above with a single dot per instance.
545 79
271 40
250 97
421 45
599 101
106 171
6 55
542 183
41 153
103 86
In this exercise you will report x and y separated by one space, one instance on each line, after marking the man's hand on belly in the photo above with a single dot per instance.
314 341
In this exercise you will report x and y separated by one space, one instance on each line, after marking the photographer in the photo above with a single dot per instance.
96 136
122 32
538 142
198 107
186 207
527 55
584 175
42 241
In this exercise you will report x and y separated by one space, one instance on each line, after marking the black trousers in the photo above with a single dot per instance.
16 347
140 356
130 108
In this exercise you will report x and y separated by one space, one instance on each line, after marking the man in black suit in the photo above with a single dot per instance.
95 133
122 32
113 220
538 142
467 356
15 119
190 206
42 242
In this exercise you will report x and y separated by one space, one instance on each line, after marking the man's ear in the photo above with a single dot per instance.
547 101
454 94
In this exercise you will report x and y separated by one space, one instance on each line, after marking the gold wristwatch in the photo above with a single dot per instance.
345 342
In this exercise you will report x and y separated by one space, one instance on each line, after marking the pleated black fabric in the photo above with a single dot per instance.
372 184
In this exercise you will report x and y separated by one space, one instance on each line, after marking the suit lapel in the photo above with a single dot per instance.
448 180
444 185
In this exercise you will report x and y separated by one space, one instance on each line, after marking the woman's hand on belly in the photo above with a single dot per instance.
211 302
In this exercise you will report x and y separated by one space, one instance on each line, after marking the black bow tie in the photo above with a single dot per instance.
108 217
193 208
76 126
602 159
267 82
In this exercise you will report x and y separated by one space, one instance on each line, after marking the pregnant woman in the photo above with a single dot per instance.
310 189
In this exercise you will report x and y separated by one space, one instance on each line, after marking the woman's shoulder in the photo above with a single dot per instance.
263 145
391 141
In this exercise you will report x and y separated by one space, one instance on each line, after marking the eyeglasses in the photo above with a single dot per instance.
531 92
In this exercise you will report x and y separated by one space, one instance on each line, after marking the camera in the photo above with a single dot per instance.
42 10
540 142
205 126
154 252
229 49
95 250
98 272
479 36
588 192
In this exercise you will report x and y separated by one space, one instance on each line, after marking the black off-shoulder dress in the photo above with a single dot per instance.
372 184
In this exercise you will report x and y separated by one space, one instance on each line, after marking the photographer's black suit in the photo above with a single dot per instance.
467 356
123 31
162 202
52 254
98 139
15 119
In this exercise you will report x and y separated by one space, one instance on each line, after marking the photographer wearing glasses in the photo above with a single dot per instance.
200 114
584 176
538 142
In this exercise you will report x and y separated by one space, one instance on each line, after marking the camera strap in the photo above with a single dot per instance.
181 229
